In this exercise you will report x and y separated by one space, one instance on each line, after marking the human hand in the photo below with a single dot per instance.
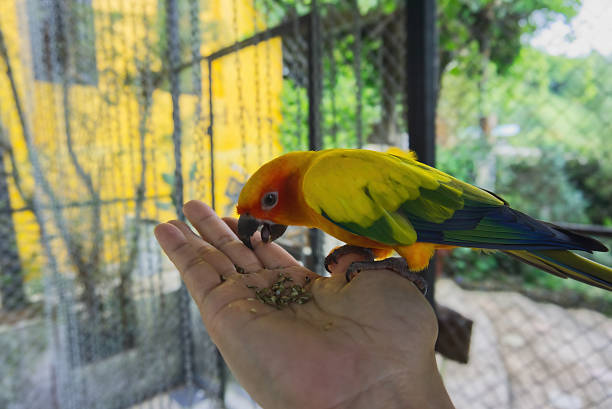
367 343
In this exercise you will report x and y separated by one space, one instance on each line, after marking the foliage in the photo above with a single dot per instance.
592 178
276 11
559 106
339 112
553 168
540 186
471 29
293 133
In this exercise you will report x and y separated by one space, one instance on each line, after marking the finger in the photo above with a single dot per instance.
218 261
199 276
270 254
213 230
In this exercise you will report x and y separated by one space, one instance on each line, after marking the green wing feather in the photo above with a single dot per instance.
372 194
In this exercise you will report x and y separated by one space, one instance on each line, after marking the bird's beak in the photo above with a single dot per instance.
248 225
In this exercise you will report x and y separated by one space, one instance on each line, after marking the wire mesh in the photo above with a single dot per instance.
114 113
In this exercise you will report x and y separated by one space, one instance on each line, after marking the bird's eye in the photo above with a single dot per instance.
269 200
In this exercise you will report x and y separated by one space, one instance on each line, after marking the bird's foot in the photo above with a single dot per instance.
395 264
332 258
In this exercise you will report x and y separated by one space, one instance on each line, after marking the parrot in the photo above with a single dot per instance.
389 201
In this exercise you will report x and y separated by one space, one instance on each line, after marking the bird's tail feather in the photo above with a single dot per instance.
564 263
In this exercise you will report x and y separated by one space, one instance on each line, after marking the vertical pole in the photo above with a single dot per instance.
219 358
315 85
172 31
315 141
421 89
357 71
11 284
211 134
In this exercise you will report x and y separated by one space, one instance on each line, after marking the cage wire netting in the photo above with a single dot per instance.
113 113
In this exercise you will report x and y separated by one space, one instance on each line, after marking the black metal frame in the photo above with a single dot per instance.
315 140
422 90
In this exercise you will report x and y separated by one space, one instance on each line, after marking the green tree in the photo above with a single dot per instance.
478 38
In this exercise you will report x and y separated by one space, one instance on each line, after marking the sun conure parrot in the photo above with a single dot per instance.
390 201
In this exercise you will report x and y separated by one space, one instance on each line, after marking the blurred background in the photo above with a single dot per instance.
115 112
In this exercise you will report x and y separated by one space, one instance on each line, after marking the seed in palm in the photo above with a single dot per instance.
282 293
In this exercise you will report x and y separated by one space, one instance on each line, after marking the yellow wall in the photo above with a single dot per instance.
105 119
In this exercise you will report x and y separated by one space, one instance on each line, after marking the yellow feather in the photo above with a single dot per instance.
402 153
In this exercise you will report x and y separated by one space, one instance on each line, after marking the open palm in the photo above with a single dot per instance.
366 343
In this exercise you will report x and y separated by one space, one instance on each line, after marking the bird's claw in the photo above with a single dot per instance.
334 255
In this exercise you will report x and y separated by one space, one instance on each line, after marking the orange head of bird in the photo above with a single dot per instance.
269 198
